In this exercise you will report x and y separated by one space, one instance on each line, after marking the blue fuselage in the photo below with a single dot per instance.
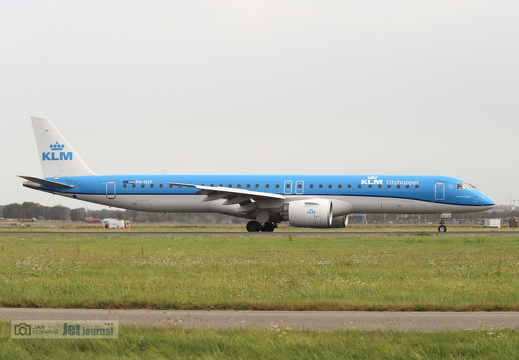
365 193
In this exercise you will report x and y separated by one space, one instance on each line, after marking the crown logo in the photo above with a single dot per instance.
372 177
57 146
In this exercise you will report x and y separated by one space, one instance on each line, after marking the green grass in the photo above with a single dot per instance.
389 272
274 343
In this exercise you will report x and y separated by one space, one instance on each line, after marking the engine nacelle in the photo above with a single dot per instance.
340 221
313 213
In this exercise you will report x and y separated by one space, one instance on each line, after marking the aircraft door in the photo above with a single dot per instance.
110 190
300 187
439 191
288 187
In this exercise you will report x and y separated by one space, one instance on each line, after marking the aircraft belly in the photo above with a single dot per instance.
402 206
156 203
377 205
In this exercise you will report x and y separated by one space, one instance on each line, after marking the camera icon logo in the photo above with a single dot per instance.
22 329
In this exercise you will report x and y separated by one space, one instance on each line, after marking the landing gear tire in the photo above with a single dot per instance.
253 226
442 228
268 227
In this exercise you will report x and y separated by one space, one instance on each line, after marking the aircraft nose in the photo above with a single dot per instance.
485 201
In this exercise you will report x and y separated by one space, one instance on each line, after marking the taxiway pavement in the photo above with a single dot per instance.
297 320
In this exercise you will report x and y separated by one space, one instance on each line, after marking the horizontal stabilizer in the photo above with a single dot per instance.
47 183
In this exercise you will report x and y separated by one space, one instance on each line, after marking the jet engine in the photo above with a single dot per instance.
316 213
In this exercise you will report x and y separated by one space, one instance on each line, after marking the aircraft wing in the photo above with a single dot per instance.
233 195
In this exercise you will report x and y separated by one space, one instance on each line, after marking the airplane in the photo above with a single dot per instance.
311 201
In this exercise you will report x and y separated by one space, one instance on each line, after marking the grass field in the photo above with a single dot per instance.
275 343
381 272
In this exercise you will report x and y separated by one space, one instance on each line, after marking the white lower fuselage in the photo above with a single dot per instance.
195 204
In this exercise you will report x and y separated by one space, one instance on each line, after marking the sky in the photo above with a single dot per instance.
264 87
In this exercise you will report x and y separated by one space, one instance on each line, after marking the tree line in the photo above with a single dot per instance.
31 210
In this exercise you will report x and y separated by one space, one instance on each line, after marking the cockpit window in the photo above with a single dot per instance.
462 186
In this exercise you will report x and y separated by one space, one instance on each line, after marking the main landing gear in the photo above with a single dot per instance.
255 226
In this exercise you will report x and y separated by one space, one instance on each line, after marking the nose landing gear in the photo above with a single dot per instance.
442 228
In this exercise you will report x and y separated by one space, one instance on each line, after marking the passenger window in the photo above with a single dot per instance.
389 186
311 186
359 186
161 186
398 186
417 186
277 186
349 186
407 186
257 186
299 186
267 186
370 186
329 186
124 186
170 186
133 186
287 185
230 185
239 186
152 186
320 186
380 186
248 186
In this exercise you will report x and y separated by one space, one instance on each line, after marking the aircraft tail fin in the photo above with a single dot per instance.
57 157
